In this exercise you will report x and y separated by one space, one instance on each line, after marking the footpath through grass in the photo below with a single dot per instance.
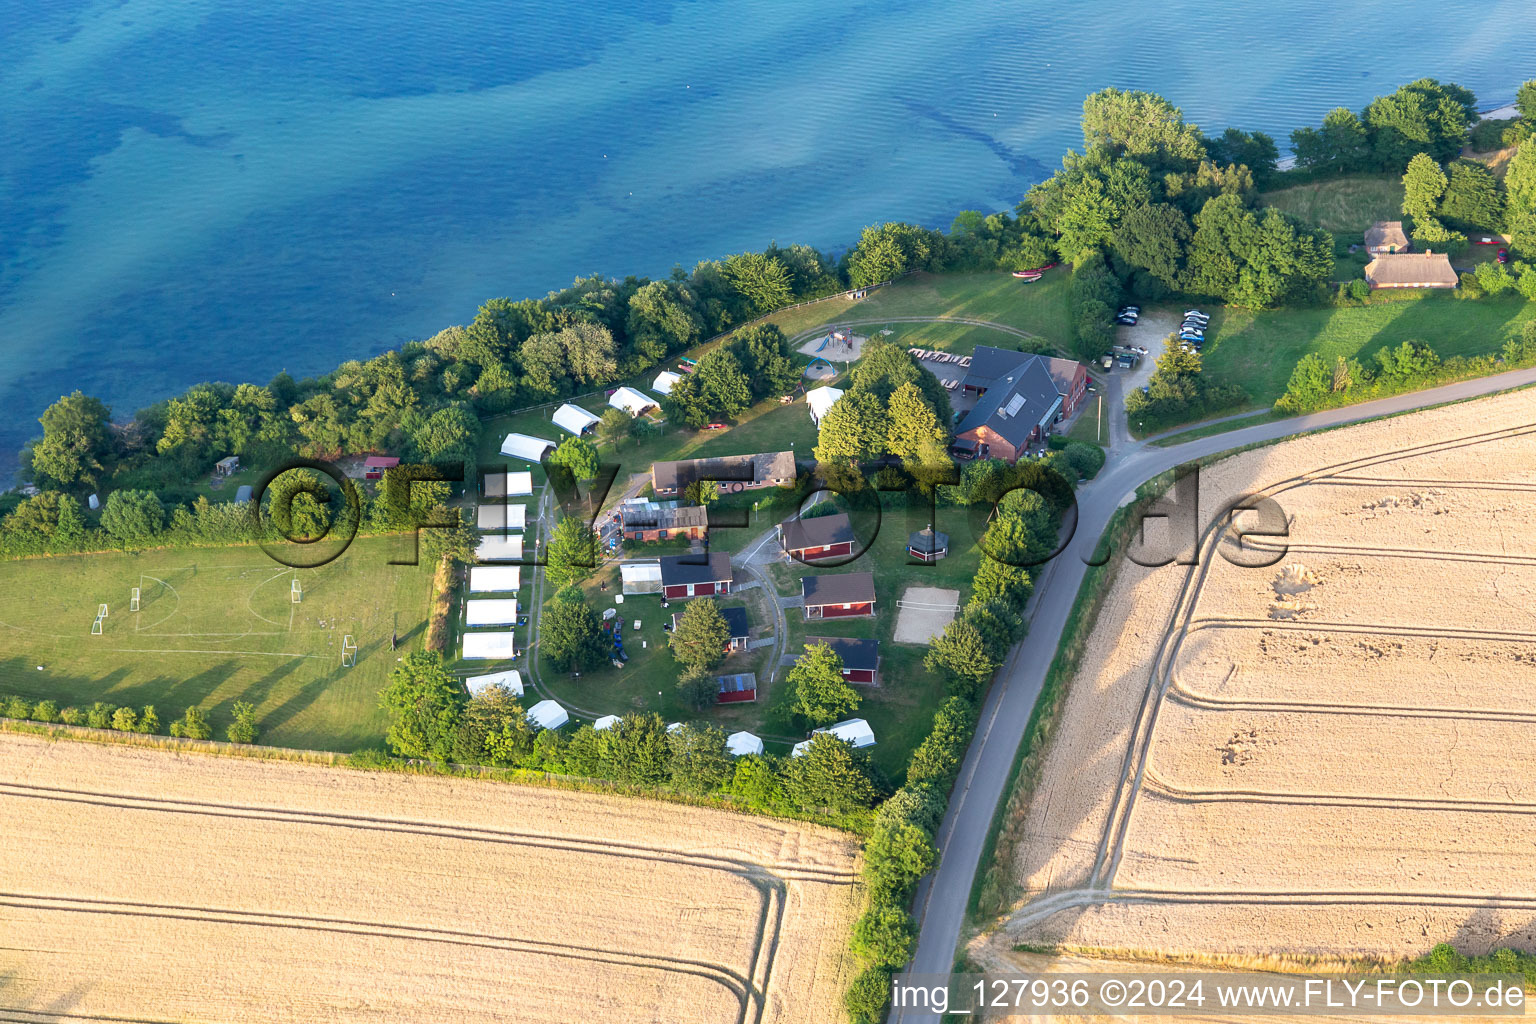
216 625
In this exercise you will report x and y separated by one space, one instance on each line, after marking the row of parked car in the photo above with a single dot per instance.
1192 330
1128 315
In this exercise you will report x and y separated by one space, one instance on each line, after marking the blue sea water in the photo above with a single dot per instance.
220 189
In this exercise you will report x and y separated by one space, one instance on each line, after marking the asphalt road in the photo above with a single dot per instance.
942 897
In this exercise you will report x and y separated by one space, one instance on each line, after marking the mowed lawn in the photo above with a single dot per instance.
995 295
216 625
1258 351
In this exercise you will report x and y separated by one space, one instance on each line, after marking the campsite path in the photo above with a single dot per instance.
942 898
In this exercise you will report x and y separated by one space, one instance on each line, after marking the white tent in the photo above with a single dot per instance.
512 679
501 611
820 400
503 485
521 446
498 547
674 726
574 418
800 748
548 714
739 743
662 385
489 646
496 516
632 401
640 577
855 732
489 579
606 722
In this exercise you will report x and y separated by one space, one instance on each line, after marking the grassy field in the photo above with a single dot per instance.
1343 206
1040 308
1258 351
215 625
1091 426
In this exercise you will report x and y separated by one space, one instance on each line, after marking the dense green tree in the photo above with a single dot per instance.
125 720
590 352
572 553
662 318
425 702
243 728
913 431
1140 124
1156 238
764 357
494 730
1255 260
897 854
1253 150
570 634
699 762
76 444
1420 117
828 777
1472 200
817 690
637 751
446 436
1341 146
193 725
964 653
884 935
762 281
1423 184
867 995
579 456
698 688
886 251
132 518
853 430
1520 199
698 641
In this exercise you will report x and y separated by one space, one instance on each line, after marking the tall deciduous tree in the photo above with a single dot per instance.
572 553
570 634
818 692
913 432
828 777
1140 124
699 761
424 702
1423 185
75 444
698 641
1520 199
578 455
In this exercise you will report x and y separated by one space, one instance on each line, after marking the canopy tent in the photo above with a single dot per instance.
494 515
512 679
820 400
640 577
738 744
631 401
662 385
855 732
500 611
489 646
500 548
674 726
508 485
606 722
548 714
574 419
521 446
489 579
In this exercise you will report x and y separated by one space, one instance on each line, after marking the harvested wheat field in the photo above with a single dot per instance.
152 885
1331 756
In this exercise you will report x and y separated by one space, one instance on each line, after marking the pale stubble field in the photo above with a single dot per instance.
160 886
1329 757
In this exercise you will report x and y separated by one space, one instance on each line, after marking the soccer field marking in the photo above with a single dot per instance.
250 596
137 625
187 650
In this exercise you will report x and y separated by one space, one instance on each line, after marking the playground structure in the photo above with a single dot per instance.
839 344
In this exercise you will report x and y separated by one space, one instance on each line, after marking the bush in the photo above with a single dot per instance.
883 936
1085 459
193 725
243 728
125 720
18 707
149 721
99 715
72 716
867 995
1359 289
46 711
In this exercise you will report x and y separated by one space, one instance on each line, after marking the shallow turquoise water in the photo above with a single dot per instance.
195 189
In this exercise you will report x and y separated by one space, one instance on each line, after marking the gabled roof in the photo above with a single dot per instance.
740 743
857 653
736 621
1411 270
662 385
821 399
548 714
677 570
1016 403
521 446
816 532
757 470
381 462
1386 232
839 588
512 679
989 364
659 516
631 401
496 515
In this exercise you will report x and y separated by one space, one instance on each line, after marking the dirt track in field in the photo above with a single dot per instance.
162 886
1328 756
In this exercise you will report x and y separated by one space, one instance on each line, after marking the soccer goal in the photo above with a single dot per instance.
101 611
96 626
133 599
296 591
348 651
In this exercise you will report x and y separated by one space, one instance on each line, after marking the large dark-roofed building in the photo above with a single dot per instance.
1019 395
838 595
735 473
736 622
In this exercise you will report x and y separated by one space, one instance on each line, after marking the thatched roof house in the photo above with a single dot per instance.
1386 236
1411 270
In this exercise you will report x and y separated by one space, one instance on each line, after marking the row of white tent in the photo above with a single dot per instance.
497 515
574 419
509 485
546 714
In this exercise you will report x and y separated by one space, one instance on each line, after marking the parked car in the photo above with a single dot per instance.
1126 321
1193 312
1131 309
1502 256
